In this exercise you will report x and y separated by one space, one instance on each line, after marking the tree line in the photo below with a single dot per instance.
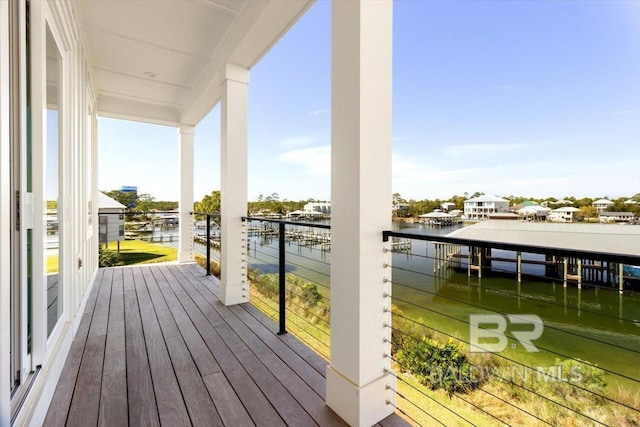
411 208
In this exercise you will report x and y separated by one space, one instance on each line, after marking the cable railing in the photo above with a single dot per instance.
506 345
481 333
288 268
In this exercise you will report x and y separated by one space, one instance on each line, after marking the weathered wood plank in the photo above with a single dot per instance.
167 323
101 312
61 401
141 396
199 404
312 400
116 309
273 344
306 353
257 405
288 408
229 406
171 406
85 404
113 399
201 354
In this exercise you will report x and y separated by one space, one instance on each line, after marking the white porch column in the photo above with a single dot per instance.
233 185
360 211
185 135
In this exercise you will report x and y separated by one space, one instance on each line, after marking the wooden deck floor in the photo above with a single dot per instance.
156 347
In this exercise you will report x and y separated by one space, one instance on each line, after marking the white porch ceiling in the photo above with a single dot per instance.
159 61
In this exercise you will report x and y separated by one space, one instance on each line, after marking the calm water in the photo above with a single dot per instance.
596 325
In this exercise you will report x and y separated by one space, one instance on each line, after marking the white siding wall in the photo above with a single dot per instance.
78 250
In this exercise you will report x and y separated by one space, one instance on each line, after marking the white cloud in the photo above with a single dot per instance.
466 150
301 141
319 112
316 160
621 112
420 177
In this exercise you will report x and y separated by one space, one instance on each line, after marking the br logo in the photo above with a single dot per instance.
487 331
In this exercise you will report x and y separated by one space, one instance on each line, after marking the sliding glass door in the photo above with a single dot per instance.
53 210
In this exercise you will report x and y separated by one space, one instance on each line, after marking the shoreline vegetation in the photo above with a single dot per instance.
461 387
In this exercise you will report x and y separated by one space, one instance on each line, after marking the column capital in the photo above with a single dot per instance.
186 129
235 73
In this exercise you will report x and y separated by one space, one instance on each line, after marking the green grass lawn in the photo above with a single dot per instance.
52 264
139 252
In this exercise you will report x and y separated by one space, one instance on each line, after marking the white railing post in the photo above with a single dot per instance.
360 385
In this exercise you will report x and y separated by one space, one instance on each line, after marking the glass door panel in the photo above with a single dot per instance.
53 213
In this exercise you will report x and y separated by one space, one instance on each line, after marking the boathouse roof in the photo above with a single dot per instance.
612 239
106 202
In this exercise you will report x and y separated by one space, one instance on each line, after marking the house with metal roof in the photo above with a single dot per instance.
616 217
567 237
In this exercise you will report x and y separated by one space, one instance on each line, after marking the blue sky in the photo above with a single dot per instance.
533 98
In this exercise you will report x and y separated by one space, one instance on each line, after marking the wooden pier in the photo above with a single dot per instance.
568 269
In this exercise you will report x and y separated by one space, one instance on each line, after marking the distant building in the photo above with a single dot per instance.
400 207
557 202
111 223
129 189
479 208
533 212
602 204
567 214
324 208
607 217
446 206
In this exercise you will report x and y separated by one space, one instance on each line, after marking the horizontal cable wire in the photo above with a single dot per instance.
308 258
481 389
521 364
516 316
308 312
427 396
327 309
417 407
461 398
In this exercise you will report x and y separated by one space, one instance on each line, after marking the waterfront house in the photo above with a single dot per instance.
323 208
566 214
617 217
602 205
110 219
479 208
170 63
533 212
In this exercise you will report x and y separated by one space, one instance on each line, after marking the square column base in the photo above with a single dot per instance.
186 256
234 294
360 406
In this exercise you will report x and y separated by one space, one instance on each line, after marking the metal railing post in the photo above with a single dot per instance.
208 243
282 281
